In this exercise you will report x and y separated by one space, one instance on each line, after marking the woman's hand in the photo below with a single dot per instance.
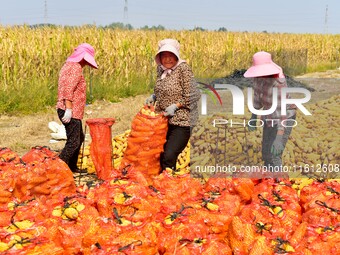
150 100
277 147
170 110
67 116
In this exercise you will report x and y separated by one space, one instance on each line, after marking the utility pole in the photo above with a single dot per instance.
45 13
126 17
326 21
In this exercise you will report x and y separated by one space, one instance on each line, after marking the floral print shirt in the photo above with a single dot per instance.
72 86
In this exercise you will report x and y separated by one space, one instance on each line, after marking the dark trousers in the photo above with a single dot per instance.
75 138
176 140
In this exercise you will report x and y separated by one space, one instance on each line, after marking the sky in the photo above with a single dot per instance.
288 16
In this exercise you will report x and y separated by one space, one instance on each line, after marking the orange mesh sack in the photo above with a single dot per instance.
9 172
7 155
101 145
145 142
39 154
51 178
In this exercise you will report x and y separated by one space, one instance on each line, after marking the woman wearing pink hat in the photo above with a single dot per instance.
268 75
177 95
72 99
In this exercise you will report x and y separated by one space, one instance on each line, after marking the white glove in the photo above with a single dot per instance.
150 100
252 123
67 116
277 147
170 110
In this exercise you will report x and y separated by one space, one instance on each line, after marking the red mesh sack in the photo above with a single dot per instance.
50 178
198 245
175 190
9 173
318 191
145 142
7 155
41 248
101 145
39 153
244 188
72 227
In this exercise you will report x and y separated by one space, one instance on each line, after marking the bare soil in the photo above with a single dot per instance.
21 133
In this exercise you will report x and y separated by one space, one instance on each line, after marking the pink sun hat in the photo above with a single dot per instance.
263 65
170 45
83 51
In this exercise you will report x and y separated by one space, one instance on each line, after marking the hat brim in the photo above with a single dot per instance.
168 48
77 57
89 59
262 70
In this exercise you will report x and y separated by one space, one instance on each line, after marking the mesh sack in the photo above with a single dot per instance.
101 145
38 154
145 143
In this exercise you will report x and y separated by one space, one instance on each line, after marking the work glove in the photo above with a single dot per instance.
170 110
252 122
151 99
67 116
277 146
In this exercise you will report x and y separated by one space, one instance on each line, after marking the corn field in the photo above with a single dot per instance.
30 59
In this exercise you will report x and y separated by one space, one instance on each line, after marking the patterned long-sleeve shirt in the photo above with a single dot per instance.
178 86
263 99
72 87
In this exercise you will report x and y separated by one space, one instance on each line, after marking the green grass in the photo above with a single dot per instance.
322 67
38 95
113 90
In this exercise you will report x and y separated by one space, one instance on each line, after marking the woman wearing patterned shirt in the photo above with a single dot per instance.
72 100
276 127
177 95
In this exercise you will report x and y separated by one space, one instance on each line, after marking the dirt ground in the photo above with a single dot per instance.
21 133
